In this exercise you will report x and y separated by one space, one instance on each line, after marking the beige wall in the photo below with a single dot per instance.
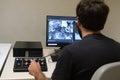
26 19
112 27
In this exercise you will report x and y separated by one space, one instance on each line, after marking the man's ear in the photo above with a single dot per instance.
78 23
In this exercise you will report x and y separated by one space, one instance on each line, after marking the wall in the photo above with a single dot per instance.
112 27
26 19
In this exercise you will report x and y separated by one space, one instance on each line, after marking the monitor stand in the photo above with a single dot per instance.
55 55
57 50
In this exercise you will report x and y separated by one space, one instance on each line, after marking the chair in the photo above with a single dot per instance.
109 71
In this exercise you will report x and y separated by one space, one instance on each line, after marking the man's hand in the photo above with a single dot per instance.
35 70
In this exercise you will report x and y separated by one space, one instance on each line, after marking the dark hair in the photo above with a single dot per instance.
92 14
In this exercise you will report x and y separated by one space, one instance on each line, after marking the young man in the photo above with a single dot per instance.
79 61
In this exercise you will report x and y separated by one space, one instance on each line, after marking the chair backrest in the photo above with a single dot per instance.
109 71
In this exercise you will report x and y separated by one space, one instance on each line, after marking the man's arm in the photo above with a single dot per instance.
42 77
35 70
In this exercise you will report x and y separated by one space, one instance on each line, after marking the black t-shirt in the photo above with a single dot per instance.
79 61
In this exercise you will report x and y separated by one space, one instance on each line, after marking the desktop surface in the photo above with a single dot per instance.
4 51
8 72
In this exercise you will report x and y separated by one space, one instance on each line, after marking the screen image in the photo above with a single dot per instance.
61 30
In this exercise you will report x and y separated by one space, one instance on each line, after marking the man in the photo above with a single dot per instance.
79 61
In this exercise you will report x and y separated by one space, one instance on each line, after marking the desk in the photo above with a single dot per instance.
4 50
8 73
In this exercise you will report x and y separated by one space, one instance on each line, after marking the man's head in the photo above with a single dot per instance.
92 14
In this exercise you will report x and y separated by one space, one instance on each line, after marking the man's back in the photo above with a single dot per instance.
80 60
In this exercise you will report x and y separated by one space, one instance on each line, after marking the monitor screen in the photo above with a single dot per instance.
61 31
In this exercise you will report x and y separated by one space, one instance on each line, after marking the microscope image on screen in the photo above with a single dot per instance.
60 29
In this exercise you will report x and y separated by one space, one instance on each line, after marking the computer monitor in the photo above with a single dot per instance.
61 31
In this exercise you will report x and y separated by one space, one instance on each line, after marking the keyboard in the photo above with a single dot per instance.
22 64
